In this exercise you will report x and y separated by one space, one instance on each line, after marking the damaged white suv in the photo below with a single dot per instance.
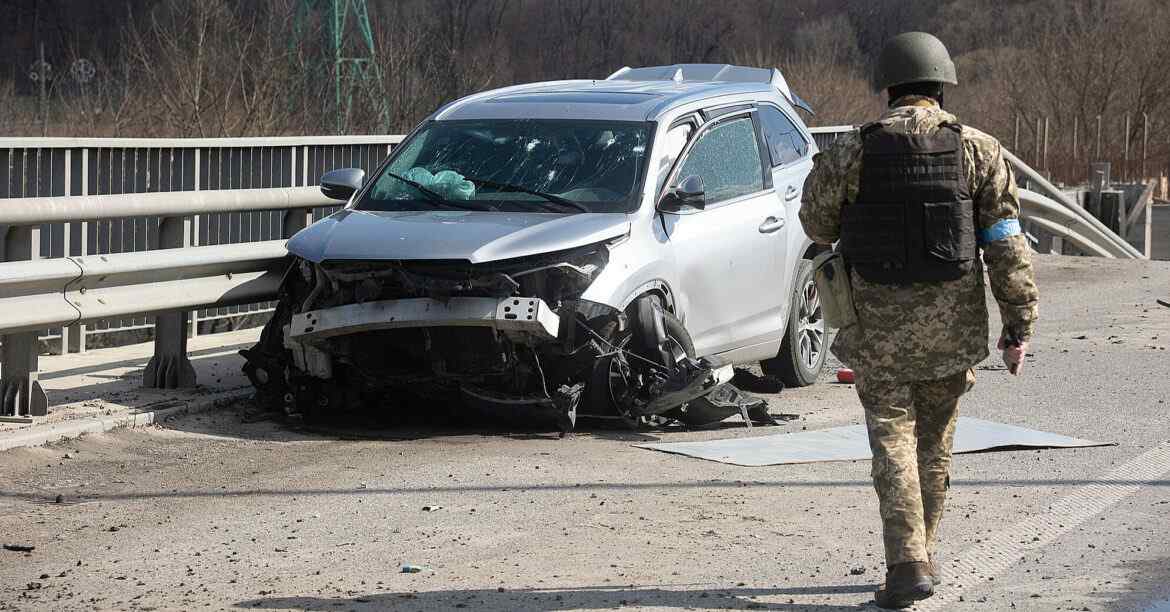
596 248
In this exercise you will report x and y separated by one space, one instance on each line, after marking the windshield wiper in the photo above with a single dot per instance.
431 194
554 199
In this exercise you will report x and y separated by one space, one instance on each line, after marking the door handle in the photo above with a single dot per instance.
791 193
771 224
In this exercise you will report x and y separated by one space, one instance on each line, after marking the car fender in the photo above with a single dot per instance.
628 275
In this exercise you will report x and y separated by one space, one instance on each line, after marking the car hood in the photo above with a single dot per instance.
475 236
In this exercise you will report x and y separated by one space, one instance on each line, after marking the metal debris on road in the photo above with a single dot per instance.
19 548
410 568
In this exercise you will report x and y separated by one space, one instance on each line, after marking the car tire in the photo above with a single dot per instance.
600 393
806 338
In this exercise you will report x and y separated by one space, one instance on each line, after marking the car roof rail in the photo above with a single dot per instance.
712 73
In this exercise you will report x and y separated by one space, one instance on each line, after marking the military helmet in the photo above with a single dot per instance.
913 57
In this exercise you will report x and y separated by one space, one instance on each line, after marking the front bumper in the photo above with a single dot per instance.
523 319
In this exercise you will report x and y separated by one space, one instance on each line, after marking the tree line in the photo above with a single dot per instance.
1041 75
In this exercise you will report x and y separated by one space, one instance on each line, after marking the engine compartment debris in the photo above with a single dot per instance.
510 340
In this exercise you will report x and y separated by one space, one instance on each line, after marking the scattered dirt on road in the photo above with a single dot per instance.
209 511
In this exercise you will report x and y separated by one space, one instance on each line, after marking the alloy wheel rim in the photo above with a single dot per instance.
811 332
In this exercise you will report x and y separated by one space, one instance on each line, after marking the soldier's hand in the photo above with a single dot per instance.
1013 354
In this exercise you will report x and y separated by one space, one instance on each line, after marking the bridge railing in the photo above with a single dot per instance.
89 203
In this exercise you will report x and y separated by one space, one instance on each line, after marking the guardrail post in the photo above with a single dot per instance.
21 393
77 336
170 368
297 219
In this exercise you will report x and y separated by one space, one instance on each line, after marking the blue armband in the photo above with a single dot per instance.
1003 229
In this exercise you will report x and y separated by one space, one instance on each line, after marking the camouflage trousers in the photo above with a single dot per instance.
911 429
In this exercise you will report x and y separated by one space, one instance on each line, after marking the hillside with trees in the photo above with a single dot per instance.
1065 68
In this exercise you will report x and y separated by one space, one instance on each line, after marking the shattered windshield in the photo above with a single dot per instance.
567 166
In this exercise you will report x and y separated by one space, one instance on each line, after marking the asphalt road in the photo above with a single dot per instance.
207 512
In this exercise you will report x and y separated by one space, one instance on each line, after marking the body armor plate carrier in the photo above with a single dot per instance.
914 220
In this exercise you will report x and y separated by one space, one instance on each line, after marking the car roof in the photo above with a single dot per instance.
640 94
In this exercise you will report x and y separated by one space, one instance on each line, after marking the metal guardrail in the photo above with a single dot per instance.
65 291
1095 229
71 290
171 280
36 211
1059 220
187 228
89 167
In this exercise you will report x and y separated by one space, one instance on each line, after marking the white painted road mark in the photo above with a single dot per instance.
994 555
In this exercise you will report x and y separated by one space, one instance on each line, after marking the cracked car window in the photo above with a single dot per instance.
676 140
728 160
511 165
785 143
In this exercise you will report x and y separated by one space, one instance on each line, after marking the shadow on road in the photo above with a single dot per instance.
140 362
414 416
467 427
1146 588
236 422
119 383
413 422
588 598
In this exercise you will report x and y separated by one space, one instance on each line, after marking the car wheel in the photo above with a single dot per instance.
613 386
805 345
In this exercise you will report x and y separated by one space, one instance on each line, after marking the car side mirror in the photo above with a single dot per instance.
688 192
341 184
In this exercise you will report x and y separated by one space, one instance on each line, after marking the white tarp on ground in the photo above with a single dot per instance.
852 444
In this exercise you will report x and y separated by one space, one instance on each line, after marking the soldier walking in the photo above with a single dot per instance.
913 198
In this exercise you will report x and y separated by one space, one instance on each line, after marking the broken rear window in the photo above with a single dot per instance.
516 165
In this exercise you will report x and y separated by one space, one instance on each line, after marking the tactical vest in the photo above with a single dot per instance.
914 220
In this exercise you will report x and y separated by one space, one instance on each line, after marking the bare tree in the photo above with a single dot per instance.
822 70
236 67
202 68
103 105
1086 59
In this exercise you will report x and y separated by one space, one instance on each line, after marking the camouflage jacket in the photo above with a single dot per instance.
927 331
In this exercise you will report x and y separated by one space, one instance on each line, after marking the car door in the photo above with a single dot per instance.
725 253
788 154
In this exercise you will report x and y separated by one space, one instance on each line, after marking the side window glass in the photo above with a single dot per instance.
676 141
728 160
785 144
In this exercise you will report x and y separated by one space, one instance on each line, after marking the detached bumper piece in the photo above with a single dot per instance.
699 394
725 400
520 318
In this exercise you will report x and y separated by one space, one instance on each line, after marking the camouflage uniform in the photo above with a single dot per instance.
914 346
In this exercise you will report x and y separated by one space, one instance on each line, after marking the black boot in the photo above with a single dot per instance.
905 584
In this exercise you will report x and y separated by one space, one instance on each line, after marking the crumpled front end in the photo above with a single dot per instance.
511 339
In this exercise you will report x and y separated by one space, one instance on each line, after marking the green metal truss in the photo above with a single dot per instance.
349 41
